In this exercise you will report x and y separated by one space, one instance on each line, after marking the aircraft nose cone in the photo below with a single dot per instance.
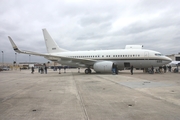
168 59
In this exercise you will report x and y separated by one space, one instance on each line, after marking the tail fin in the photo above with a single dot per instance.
51 45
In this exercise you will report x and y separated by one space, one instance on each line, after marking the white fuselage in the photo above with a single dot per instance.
139 58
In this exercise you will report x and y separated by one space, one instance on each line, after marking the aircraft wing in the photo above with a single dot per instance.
79 61
16 49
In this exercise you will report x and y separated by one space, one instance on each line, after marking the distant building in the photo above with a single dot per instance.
27 65
174 57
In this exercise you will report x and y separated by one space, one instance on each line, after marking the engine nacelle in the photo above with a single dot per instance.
104 66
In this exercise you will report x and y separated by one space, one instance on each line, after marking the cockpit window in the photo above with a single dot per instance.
158 54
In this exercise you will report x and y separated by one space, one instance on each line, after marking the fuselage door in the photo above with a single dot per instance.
146 55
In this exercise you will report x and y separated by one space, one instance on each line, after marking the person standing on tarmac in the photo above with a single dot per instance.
32 70
152 69
113 69
116 69
59 69
131 69
45 68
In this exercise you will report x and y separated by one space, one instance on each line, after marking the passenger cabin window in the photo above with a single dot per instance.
107 55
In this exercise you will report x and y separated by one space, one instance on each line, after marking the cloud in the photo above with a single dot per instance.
89 25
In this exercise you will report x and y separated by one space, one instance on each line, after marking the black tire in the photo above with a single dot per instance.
86 71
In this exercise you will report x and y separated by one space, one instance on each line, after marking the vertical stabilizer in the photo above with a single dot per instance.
51 45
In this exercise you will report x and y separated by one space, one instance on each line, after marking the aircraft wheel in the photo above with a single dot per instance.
87 71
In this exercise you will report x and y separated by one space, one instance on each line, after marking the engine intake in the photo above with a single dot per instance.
104 66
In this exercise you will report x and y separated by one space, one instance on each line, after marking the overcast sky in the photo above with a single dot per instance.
89 25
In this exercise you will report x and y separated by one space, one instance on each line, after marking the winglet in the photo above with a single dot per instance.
14 45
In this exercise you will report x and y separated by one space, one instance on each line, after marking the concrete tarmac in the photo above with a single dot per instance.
79 96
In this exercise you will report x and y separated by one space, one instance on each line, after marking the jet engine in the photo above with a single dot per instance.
103 66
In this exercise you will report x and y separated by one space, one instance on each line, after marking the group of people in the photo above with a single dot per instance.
62 67
42 69
152 69
164 69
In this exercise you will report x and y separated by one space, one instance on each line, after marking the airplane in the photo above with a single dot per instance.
101 61
174 63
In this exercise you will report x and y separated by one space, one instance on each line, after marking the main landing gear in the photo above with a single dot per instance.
88 71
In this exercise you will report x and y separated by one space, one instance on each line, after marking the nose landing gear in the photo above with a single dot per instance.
88 71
